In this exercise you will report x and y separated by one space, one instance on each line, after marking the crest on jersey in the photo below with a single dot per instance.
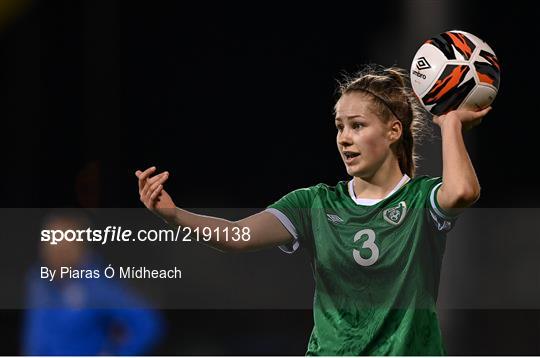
396 214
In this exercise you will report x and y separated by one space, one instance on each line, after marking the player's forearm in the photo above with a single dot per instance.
460 182
222 234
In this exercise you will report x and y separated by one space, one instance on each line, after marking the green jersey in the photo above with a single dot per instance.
376 265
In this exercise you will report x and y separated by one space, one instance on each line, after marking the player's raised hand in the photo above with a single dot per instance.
468 118
152 194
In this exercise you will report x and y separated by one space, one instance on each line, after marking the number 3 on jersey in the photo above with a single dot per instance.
368 244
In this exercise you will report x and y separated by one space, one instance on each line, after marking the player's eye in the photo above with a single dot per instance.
357 125
339 127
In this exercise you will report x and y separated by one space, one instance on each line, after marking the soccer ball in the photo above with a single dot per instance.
455 70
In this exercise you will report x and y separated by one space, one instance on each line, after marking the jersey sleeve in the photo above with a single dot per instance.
441 220
293 211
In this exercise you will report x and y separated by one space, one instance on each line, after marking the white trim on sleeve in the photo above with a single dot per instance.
442 222
432 199
291 247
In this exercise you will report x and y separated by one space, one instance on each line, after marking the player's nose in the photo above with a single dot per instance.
344 138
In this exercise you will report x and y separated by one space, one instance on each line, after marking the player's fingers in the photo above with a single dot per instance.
156 193
145 190
146 173
143 177
147 186
155 178
137 174
482 113
160 181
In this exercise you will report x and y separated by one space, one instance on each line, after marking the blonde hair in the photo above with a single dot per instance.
391 94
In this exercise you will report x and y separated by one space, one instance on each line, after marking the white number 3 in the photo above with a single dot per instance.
368 244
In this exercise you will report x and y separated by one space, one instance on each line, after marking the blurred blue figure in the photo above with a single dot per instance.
82 316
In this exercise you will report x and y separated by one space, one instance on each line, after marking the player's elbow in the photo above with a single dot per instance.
466 196
458 197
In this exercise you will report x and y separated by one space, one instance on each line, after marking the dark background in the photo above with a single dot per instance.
236 102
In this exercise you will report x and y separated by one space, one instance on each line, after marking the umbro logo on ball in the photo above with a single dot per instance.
422 64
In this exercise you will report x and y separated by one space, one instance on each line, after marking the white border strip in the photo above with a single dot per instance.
290 228
434 205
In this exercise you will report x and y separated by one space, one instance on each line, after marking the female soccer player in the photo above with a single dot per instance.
376 241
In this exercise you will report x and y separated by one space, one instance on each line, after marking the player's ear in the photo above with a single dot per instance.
394 130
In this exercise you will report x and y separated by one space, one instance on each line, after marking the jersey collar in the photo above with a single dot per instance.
370 202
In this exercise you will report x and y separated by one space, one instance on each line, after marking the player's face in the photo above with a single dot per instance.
362 138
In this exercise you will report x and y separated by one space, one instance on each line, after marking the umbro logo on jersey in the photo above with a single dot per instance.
334 218
396 214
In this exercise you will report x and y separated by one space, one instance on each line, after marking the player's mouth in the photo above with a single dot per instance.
350 156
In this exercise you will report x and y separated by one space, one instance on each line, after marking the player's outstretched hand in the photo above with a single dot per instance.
152 194
468 119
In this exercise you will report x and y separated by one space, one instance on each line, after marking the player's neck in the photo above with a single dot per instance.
379 185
